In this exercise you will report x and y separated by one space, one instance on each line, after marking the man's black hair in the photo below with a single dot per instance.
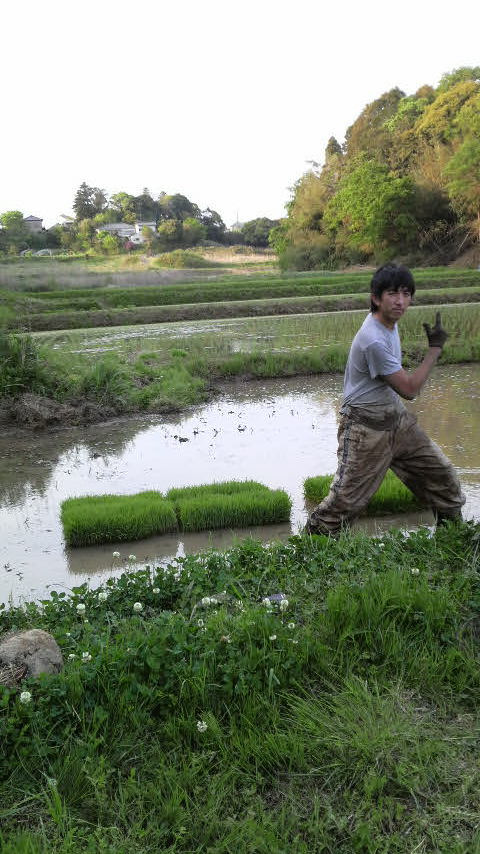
390 277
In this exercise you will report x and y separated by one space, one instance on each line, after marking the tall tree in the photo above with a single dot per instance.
88 202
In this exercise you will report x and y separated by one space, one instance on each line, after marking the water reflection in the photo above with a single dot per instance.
277 431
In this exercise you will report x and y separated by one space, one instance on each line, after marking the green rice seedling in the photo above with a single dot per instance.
235 509
90 520
227 487
391 497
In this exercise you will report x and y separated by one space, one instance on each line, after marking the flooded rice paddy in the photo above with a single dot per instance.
278 432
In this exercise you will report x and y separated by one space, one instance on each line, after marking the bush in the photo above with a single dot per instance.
23 366
181 259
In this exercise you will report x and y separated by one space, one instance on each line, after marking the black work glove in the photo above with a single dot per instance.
436 334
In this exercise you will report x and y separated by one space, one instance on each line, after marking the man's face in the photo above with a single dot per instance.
392 304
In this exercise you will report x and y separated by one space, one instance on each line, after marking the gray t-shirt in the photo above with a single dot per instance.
375 352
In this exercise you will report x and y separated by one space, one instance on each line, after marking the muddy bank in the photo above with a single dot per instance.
34 412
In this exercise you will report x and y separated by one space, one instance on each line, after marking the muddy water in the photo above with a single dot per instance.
278 432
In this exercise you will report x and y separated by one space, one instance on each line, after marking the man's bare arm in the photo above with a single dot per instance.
408 385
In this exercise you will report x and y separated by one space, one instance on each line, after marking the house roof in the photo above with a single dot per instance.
31 218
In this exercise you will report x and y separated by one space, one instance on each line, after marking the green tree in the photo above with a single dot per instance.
193 232
463 179
458 75
169 235
437 123
373 210
255 232
369 133
123 204
214 224
178 207
88 202
12 219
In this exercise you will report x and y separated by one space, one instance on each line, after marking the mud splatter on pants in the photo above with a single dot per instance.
368 445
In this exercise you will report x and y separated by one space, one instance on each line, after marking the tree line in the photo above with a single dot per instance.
173 222
405 183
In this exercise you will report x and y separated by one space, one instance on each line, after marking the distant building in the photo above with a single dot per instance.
121 229
127 231
33 223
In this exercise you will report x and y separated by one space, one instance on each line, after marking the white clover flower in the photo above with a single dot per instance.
68 634
202 726
294 640
115 554
85 621
81 608
137 607
272 637
200 623
206 600
71 656
132 557
415 570
51 781
102 596
156 590
283 604
291 626
214 601
86 656
25 697
267 602
381 545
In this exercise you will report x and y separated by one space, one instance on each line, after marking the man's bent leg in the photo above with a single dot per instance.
425 469
364 455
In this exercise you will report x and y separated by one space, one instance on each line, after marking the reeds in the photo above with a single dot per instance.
391 497
91 520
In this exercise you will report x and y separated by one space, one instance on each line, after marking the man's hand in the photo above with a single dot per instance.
436 334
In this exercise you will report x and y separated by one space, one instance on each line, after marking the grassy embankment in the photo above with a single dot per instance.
96 519
191 717
171 365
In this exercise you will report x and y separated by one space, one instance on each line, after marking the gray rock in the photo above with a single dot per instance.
29 653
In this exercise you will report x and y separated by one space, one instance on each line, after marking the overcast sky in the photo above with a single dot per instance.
222 101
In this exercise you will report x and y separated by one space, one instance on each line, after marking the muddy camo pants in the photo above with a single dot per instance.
366 450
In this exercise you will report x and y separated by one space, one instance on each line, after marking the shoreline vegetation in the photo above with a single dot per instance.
314 695
231 328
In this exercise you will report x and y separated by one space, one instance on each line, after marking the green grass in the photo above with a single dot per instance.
342 719
392 496
91 520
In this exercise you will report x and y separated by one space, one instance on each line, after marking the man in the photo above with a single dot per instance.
376 431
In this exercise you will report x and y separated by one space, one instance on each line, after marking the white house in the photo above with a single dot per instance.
127 231
121 229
